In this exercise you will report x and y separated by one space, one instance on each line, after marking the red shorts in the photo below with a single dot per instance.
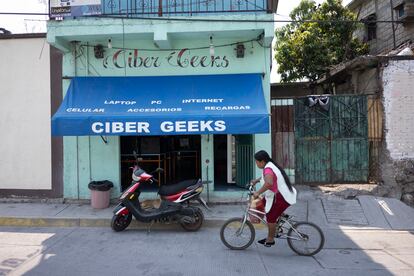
278 207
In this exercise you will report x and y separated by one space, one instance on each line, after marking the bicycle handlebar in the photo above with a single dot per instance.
250 187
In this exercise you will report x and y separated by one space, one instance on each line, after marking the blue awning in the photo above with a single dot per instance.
167 105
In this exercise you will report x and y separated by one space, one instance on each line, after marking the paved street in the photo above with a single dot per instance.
364 236
100 251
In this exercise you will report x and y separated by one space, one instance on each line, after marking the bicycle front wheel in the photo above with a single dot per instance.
305 238
237 236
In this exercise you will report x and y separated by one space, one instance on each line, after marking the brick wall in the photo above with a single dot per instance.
397 162
398 107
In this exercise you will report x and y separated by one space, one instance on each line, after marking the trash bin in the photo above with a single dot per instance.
100 193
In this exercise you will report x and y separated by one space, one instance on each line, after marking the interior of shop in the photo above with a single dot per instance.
178 156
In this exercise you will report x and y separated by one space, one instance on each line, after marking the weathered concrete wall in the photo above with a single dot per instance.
358 82
365 81
25 148
399 128
384 41
398 105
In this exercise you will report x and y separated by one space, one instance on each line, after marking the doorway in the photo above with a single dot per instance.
233 164
220 162
178 156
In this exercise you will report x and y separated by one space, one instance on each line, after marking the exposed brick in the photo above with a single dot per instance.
398 103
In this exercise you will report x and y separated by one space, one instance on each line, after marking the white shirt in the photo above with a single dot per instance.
289 196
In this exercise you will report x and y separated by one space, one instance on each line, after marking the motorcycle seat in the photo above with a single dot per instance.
167 190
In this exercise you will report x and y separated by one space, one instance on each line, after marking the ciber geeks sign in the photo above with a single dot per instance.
164 127
184 58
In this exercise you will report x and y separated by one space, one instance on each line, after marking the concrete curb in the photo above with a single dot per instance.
39 222
106 223
85 222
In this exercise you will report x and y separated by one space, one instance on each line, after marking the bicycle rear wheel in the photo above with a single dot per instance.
236 237
305 238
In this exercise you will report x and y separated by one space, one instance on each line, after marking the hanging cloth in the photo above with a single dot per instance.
315 100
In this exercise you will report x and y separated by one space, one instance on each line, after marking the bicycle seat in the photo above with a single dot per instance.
285 216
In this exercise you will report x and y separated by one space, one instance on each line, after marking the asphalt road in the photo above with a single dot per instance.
100 251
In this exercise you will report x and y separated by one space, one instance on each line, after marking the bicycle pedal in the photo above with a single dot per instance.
279 233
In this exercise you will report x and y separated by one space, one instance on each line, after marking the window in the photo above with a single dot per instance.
371 27
400 10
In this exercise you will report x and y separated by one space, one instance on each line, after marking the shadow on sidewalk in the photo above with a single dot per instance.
351 247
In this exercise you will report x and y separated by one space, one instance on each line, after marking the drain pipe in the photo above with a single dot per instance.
392 25
208 186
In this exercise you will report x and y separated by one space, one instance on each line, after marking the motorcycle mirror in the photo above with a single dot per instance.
135 154
159 170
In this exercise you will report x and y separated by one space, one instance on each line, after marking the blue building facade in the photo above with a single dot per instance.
184 84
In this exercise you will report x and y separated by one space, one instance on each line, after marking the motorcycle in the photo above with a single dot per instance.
174 206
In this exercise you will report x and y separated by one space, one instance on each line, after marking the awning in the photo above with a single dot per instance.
167 105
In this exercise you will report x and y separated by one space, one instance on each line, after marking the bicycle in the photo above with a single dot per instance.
297 233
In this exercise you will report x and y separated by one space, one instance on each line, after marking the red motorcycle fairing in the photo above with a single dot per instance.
145 176
121 210
131 189
174 197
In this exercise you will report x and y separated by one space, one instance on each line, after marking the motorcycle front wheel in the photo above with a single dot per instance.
120 222
199 218
237 235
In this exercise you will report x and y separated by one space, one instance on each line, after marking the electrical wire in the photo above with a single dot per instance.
258 40
23 13
113 16
80 55
118 16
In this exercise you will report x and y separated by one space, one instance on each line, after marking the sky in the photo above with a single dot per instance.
23 24
283 10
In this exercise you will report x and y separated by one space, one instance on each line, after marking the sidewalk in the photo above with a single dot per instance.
361 213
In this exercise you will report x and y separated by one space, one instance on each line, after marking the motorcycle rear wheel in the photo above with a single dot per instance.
120 222
199 218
